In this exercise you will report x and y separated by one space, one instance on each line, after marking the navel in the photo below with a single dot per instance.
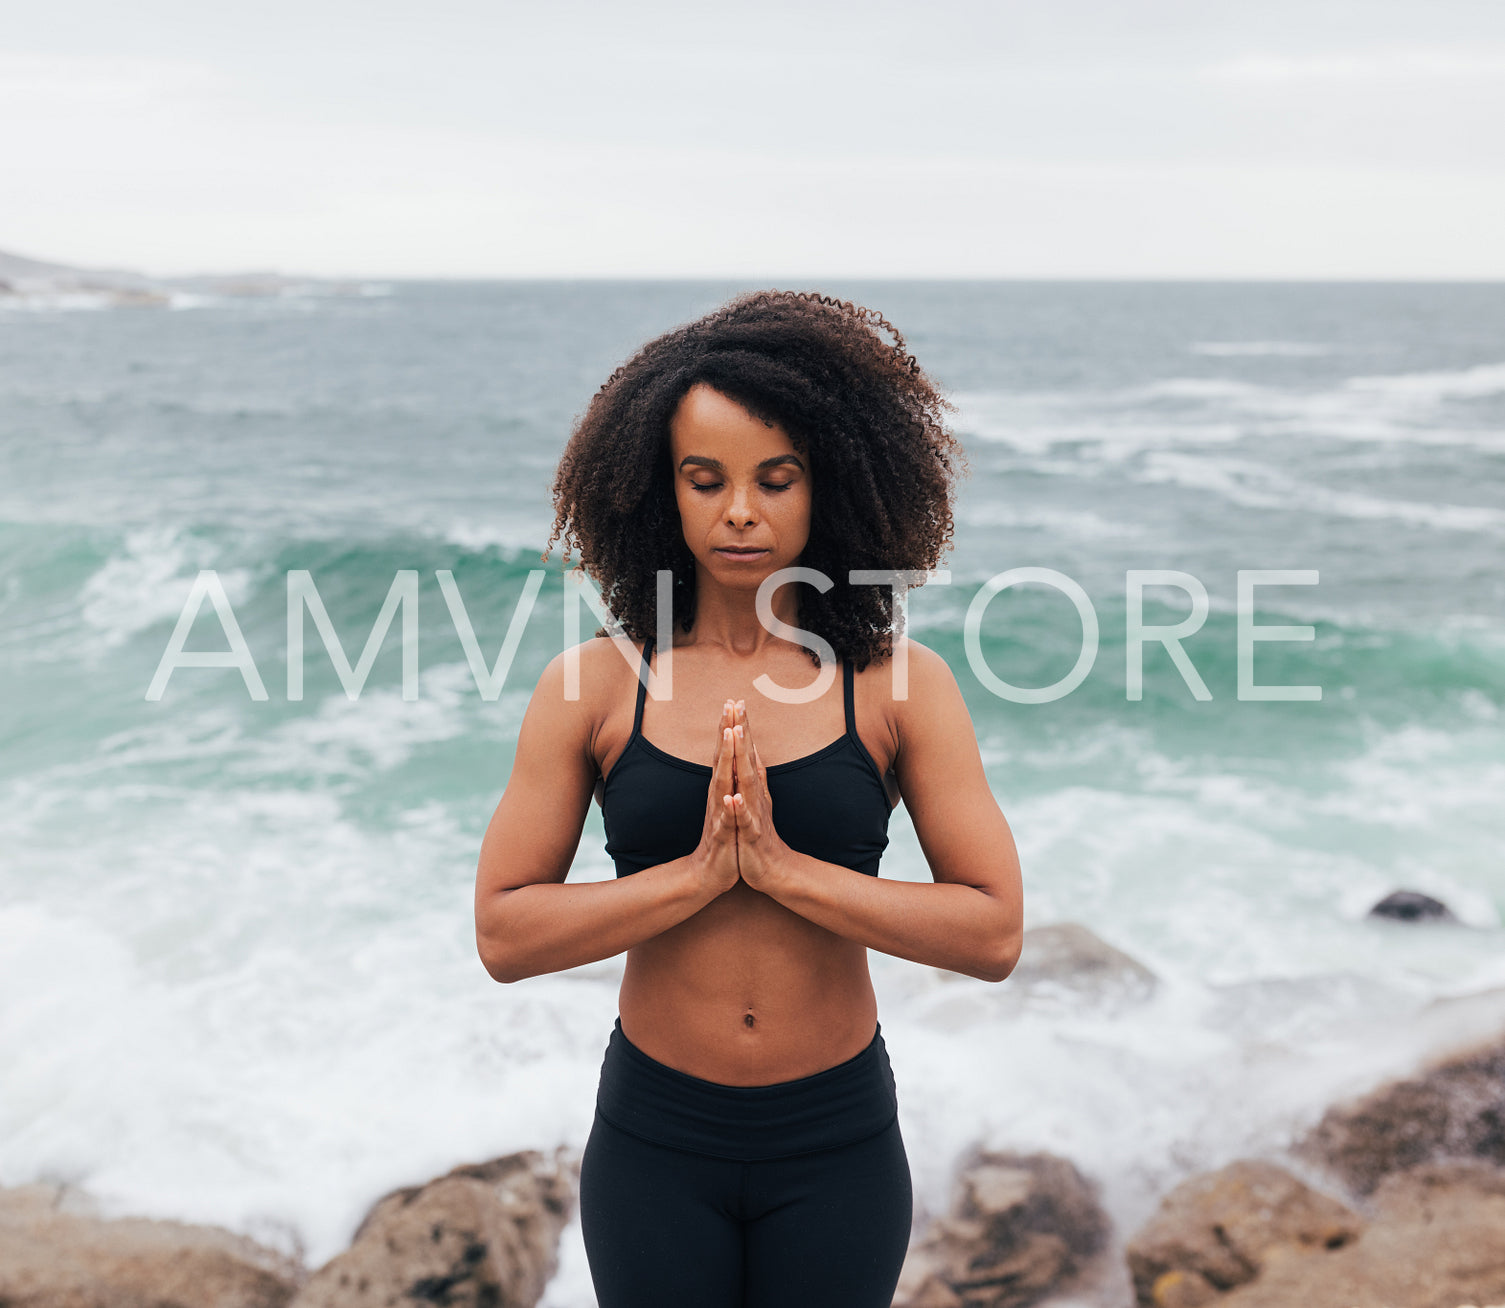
748 1018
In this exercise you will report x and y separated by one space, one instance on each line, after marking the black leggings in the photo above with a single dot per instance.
745 1196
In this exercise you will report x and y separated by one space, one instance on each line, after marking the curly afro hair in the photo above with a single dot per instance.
857 407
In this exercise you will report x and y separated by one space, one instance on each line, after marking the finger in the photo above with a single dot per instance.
745 822
739 746
724 763
752 748
726 721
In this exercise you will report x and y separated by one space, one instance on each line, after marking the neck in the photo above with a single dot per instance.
728 618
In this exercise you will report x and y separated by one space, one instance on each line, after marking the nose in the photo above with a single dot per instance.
740 512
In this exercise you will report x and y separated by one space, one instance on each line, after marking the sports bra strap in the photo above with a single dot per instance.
637 718
849 700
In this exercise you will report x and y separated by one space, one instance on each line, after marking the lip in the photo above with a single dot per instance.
742 556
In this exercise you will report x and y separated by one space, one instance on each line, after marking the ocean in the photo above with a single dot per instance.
238 976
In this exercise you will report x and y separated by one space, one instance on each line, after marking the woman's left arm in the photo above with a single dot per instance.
971 919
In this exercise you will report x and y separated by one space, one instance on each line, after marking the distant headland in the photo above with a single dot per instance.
35 283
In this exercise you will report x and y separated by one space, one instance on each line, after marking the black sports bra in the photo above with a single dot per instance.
832 804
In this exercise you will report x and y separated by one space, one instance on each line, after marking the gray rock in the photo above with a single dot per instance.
1020 1226
1454 1109
1436 1239
1218 1231
56 1252
1412 906
1068 956
484 1235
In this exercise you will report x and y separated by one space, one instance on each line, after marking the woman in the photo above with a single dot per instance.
746 1149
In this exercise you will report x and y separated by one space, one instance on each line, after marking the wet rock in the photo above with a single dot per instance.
1063 965
1454 1109
1021 1226
57 1252
1218 1231
1412 906
1435 1239
484 1235
1069 957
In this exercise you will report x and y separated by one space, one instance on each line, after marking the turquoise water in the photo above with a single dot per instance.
236 949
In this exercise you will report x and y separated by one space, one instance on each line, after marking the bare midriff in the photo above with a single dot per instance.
748 992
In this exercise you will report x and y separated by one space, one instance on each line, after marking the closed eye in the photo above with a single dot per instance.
716 485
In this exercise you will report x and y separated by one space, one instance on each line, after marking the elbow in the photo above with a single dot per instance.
497 972
496 941
494 964
498 962
503 971
1006 959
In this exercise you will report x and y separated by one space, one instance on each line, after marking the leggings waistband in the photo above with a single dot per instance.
836 1106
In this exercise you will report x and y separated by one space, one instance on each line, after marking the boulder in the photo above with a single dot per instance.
1435 1239
1066 956
1455 1108
484 1235
57 1252
1019 1227
1412 906
1220 1230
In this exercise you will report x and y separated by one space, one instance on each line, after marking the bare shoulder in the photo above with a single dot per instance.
931 684
901 688
931 711
536 828
925 664
579 684
917 659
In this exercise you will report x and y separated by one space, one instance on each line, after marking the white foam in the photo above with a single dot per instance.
1256 485
148 582
1401 409
1429 387
379 730
1219 389
270 1036
1068 523
509 533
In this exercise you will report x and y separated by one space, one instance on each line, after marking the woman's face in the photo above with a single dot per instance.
740 484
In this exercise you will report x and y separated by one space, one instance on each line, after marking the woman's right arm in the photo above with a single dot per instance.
528 921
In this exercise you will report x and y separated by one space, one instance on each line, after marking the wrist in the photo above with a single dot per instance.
779 872
706 873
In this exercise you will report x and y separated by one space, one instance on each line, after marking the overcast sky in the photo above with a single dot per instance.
1017 138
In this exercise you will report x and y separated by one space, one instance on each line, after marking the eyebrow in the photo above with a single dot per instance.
699 460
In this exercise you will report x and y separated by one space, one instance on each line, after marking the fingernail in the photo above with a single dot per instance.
738 730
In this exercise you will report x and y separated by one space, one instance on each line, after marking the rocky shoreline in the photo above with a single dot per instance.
36 284
1394 1199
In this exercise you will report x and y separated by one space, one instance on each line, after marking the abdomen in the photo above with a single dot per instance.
688 994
